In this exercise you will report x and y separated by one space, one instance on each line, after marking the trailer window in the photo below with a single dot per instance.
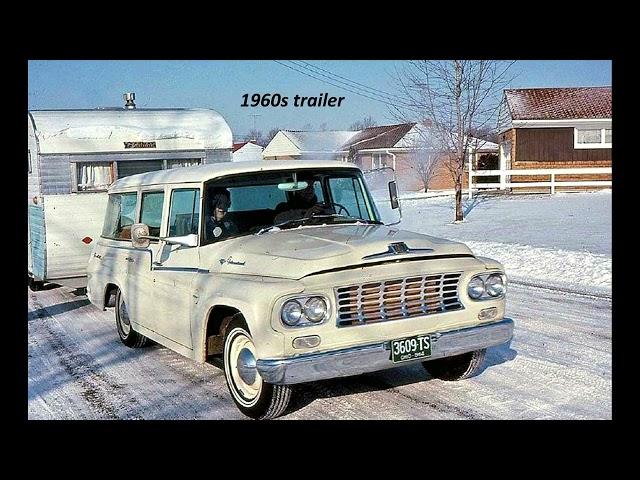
94 176
187 162
120 215
133 167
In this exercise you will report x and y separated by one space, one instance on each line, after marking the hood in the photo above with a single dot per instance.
299 252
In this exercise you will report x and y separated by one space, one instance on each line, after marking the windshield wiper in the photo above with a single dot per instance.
304 219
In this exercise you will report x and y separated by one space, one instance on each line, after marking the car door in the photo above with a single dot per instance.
175 266
141 278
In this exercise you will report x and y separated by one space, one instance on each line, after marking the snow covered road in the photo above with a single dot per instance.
558 366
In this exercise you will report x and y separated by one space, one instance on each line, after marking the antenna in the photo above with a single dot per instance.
254 115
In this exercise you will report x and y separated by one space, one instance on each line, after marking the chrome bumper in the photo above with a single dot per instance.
374 357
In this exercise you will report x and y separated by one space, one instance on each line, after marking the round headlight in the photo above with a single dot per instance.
315 309
475 288
291 312
495 285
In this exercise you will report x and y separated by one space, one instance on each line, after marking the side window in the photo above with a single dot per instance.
93 176
184 212
151 211
120 215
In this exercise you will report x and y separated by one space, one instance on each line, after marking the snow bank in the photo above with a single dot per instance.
582 271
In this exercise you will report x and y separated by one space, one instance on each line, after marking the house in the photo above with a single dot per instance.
247 152
300 145
396 146
556 128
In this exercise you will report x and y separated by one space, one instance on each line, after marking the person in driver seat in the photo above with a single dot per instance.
217 226
303 203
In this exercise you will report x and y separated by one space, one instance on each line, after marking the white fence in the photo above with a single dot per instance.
504 184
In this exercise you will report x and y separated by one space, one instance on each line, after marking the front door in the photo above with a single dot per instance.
175 267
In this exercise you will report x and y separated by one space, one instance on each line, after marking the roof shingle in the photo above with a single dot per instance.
559 103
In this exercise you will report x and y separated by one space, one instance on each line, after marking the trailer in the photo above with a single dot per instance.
75 155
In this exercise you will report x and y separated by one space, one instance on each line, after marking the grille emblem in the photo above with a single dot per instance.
397 248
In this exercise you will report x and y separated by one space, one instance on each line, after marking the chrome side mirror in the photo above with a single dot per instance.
140 235
190 240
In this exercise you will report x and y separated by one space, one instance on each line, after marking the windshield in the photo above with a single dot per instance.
259 202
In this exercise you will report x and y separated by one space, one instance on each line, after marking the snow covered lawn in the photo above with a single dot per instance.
561 240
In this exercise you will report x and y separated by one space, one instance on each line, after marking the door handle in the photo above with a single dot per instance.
129 259
97 256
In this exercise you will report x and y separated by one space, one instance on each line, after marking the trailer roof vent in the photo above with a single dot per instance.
129 98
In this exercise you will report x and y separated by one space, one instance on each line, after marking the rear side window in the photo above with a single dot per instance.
121 214
184 212
151 211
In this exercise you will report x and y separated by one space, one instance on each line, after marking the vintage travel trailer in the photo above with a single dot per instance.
75 155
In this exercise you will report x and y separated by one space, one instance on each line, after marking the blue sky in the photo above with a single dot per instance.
220 84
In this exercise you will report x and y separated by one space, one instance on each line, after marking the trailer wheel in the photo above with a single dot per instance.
127 334
455 368
253 396
35 285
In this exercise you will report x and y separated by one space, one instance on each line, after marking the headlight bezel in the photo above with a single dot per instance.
484 277
304 320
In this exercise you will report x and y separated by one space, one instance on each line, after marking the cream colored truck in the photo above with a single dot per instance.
299 280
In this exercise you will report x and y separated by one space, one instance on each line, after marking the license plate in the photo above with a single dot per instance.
410 348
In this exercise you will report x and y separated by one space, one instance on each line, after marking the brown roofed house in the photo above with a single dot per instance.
556 128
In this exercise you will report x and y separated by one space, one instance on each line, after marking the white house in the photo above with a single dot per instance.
247 152
297 145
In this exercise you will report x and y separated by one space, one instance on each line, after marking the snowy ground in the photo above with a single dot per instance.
558 365
563 240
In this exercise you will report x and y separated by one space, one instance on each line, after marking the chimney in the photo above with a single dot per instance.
129 97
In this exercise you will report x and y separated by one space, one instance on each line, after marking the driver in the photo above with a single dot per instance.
217 226
303 204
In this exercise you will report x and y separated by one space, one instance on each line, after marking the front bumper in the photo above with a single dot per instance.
374 357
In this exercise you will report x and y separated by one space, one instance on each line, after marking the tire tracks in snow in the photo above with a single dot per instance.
103 396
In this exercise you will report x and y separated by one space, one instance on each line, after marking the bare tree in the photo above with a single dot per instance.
424 163
458 97
255 136
272 133
366 122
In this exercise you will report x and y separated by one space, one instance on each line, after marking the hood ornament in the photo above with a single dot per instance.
398 248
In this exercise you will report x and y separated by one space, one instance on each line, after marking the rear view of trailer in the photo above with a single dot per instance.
73 157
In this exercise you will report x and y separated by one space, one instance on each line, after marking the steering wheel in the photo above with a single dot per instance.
329 204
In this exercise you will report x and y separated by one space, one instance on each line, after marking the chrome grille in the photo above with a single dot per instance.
396 299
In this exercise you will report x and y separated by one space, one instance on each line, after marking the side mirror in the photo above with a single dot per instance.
140 235
190 240
393 195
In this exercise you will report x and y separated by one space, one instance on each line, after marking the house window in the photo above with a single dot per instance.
592 138
93 176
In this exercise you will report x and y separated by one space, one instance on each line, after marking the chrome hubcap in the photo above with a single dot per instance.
125 323
247 366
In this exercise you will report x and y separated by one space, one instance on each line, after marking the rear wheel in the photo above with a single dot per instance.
127 334
456 368
35 285
252 395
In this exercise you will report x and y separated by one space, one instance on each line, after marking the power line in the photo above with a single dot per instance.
385 94
377 99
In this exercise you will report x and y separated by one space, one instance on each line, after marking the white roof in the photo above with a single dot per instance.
206 172
298 142
93 131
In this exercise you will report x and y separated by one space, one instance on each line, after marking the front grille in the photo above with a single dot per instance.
396 299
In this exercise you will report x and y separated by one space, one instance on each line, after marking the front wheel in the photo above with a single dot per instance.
458 367
127 334
253 396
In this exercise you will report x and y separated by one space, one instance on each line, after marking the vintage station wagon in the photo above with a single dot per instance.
285 271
